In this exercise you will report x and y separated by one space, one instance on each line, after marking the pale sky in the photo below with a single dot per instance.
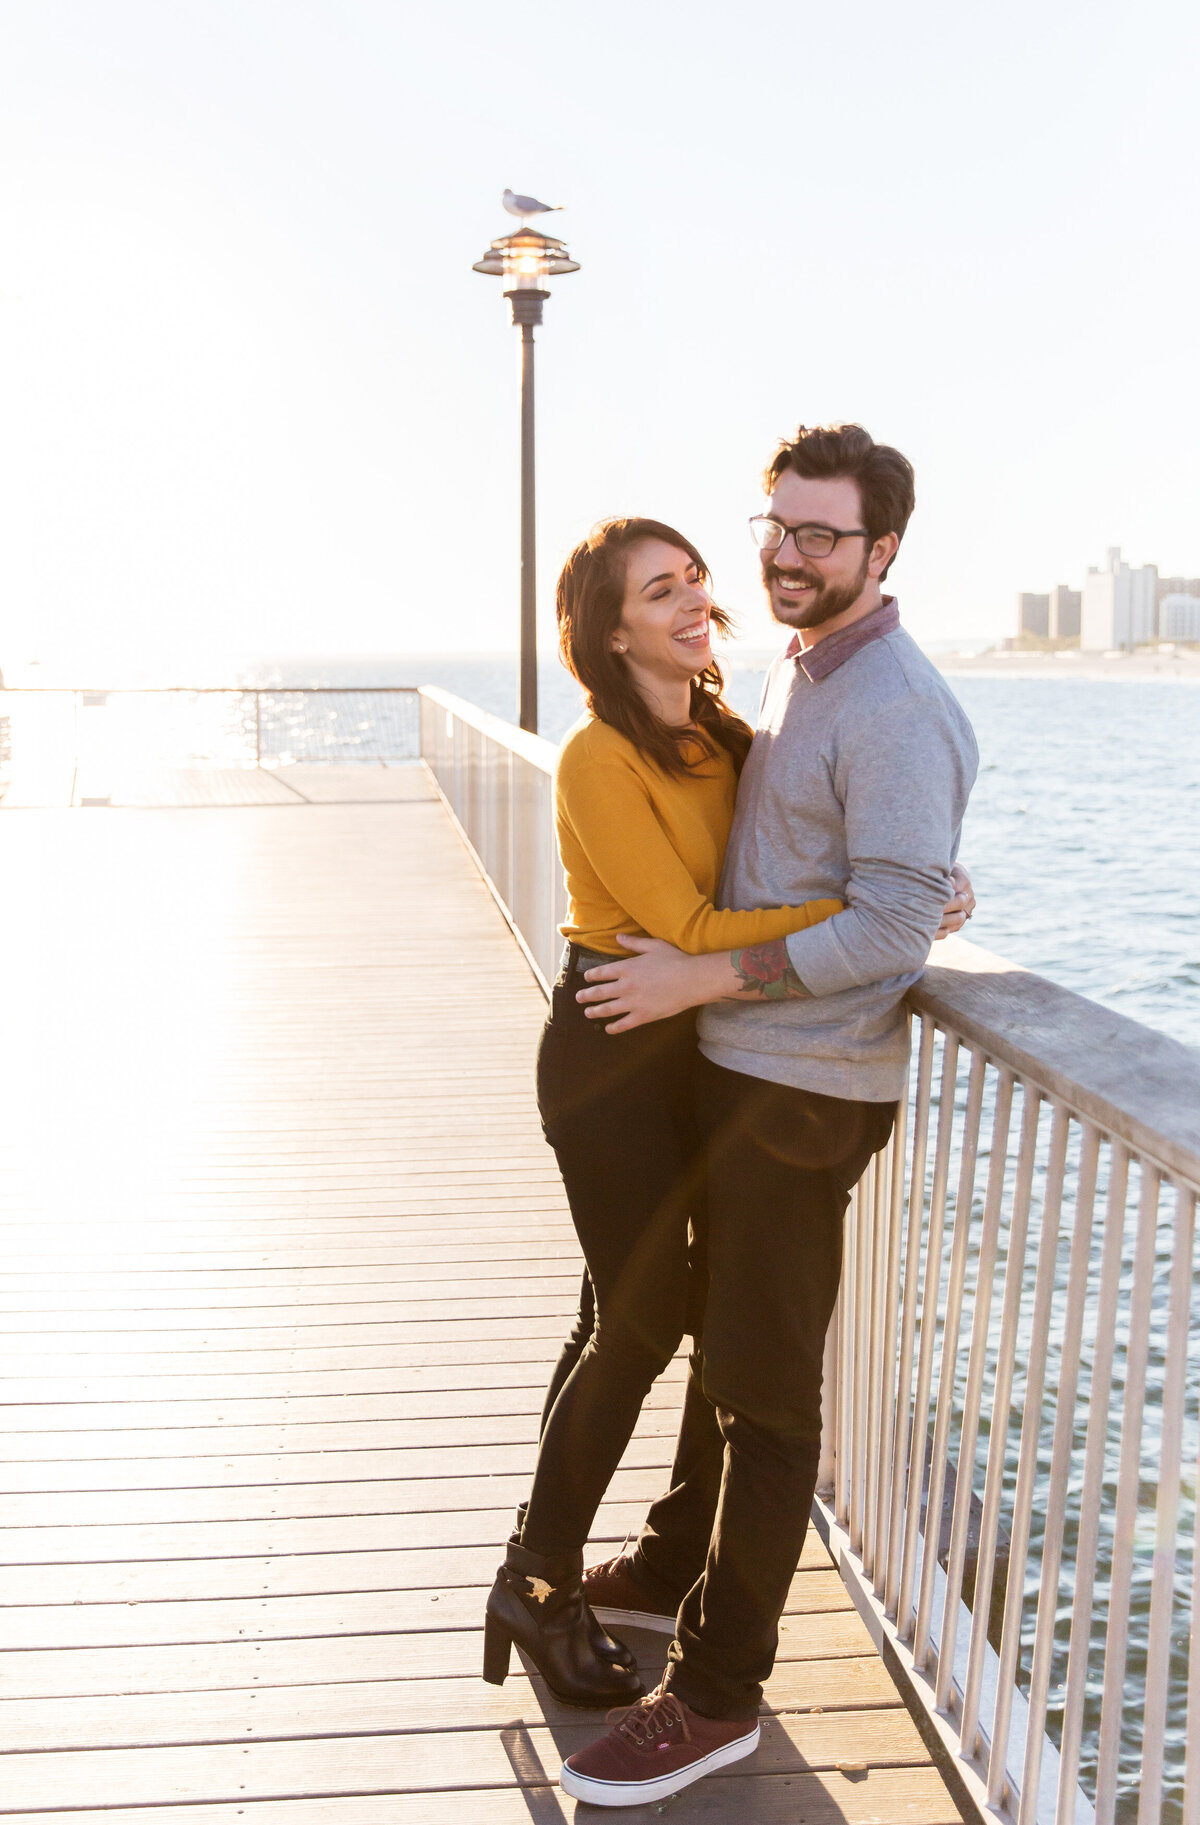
254 400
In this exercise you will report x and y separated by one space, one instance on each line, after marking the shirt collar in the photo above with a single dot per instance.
835 649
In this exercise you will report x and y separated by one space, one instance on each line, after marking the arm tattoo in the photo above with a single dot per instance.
766 970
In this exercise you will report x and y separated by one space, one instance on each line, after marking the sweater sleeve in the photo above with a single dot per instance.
613 820
903 777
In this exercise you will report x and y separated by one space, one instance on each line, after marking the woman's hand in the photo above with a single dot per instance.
656 982
960 905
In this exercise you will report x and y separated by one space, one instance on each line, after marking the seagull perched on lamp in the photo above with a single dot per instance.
525 206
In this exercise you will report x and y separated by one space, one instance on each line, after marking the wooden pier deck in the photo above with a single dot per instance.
285 1261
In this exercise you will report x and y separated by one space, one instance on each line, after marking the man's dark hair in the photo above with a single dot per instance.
885 479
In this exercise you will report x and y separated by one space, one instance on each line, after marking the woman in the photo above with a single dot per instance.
645 791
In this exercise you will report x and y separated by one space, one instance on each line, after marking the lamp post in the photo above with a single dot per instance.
526 260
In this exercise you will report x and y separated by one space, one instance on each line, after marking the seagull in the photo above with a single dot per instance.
526 205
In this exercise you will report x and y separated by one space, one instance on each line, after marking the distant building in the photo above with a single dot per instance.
1119 607
1179 616
1033 615
1177 586
1065 605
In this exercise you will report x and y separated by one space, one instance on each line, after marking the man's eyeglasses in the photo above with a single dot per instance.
812 541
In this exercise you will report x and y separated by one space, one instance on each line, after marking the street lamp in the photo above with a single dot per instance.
526 260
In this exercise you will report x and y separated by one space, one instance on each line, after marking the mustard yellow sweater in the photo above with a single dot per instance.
643 851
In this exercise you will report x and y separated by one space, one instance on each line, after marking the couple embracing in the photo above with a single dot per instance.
786 882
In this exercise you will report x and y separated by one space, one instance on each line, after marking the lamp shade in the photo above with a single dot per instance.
525 260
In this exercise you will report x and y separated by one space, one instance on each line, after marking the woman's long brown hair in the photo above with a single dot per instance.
591 588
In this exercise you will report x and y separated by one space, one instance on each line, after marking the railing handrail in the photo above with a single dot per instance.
205 690
1130 1079
533 748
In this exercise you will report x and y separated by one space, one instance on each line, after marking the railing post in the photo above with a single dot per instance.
830 1395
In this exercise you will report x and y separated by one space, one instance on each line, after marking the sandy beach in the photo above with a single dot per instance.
1181 662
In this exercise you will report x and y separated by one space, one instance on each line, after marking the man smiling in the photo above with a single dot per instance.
854 789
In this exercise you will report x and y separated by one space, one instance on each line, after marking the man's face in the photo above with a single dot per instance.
804 591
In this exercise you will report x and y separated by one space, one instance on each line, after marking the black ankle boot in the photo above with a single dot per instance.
604 1645
538 1603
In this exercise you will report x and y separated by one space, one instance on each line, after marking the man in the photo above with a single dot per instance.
855 788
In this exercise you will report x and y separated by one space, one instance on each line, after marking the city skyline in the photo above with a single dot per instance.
1119 606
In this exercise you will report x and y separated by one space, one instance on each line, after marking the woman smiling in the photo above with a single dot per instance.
645 792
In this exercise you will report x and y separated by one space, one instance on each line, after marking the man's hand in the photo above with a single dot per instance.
651 985
960 906
659 980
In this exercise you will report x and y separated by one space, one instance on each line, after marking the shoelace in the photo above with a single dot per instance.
611 1567
651 1716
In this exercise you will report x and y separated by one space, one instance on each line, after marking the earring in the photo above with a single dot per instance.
620 649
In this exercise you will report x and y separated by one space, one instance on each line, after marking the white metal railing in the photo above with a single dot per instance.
1033 1339
497 781
99 740
1012 1409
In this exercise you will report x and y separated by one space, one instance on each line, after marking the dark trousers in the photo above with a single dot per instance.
725 1540
618 1110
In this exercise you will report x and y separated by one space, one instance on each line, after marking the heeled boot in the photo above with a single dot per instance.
538 1603
606 1646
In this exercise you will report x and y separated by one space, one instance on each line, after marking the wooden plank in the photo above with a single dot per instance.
370 1706
402 782
894 1796
111 1308
308 1254
417 1762
282 1385
355 1610
277 1468
85 1422
411 1655
559 1260
537 1340
131 1541
309 1569
153 1347
271 1239
396 1207
26 1515
87 1328
444 1432
513 1166
267 1371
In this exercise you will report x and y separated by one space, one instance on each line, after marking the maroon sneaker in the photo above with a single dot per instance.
616 1599
654 1749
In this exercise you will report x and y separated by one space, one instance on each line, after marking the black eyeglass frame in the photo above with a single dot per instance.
768 519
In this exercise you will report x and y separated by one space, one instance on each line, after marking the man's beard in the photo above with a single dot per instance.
831 599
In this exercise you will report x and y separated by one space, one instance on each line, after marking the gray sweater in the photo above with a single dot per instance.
855 787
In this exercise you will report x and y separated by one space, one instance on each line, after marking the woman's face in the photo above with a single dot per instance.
664 631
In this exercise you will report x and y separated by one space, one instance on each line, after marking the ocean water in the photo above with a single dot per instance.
1082 836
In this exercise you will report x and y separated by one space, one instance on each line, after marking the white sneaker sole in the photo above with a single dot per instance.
634 1619
635 1793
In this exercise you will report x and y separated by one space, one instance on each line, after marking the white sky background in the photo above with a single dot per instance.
255 400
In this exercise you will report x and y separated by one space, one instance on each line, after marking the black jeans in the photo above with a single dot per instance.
618 1110
726 1538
